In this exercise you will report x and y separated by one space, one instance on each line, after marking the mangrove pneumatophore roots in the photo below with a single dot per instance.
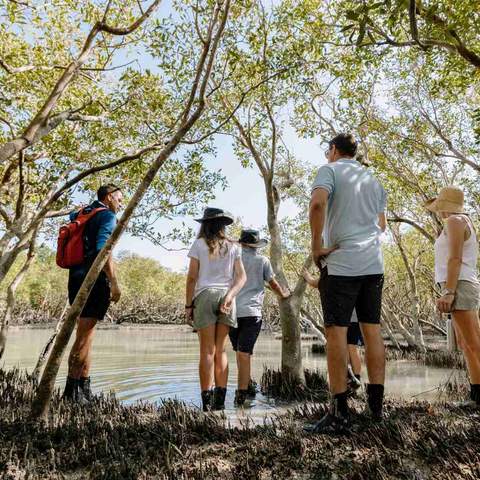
278 386
108 440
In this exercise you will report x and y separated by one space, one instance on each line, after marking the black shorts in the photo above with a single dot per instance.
354 335
244 337
99 299
340 295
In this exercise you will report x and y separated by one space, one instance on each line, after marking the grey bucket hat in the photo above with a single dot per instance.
252 239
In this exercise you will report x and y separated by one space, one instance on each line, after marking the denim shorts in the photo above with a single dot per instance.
206 309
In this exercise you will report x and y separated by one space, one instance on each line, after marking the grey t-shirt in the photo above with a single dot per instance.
259 270
356 198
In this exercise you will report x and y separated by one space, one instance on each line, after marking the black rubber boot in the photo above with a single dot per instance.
207 399
240 398
86 387
219 394
252 389
69 387
475 393
336 420
375 401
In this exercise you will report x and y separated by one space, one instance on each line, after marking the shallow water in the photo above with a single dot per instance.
155 363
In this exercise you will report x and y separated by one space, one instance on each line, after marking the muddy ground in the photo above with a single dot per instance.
107 440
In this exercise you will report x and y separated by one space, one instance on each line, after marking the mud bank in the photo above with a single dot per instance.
107 440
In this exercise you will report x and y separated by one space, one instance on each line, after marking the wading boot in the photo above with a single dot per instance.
252 389
219 394
336 420
241 397
474 400
207 400
375 401
69 386
475 394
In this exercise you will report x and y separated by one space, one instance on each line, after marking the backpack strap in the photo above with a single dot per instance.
86 216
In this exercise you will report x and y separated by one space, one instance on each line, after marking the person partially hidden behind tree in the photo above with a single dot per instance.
97 231
353 275
354 341
249 310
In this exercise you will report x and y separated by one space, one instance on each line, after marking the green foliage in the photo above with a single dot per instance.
144 283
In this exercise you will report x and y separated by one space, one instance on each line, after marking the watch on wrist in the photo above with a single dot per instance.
447 291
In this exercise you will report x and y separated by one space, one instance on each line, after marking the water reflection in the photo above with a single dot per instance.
161 362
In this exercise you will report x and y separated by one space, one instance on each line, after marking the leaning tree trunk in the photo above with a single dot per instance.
45 389
48 345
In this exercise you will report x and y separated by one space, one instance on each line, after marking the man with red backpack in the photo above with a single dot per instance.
94 224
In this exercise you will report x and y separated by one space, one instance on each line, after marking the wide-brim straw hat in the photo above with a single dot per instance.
251 238
450 199
211 213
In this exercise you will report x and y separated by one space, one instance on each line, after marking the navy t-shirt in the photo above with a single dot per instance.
97 231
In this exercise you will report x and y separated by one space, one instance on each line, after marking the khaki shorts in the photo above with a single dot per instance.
207 309
467 295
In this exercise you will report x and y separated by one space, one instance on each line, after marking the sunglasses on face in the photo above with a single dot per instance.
113 191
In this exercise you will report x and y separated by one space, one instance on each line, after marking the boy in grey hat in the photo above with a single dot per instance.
249 309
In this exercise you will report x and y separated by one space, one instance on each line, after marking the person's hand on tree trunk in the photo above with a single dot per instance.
286 293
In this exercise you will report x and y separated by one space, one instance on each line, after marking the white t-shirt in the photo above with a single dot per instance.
215 271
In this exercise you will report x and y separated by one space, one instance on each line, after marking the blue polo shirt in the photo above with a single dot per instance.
97 231
355 199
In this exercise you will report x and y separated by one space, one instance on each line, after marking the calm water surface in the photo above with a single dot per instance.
155 363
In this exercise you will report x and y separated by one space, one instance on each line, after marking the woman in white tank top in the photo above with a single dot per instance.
456 255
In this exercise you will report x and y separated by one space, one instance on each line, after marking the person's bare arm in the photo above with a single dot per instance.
192 277
317 214
278 289
310 279
240 277
111 273
382 221
455 229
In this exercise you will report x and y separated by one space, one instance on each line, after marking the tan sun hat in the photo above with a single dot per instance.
450 199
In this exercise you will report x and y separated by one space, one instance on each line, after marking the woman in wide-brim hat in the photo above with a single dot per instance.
215 276
456 255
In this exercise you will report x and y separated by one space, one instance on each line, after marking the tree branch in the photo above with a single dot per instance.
397 219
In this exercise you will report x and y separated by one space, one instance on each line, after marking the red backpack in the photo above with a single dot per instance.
70 244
